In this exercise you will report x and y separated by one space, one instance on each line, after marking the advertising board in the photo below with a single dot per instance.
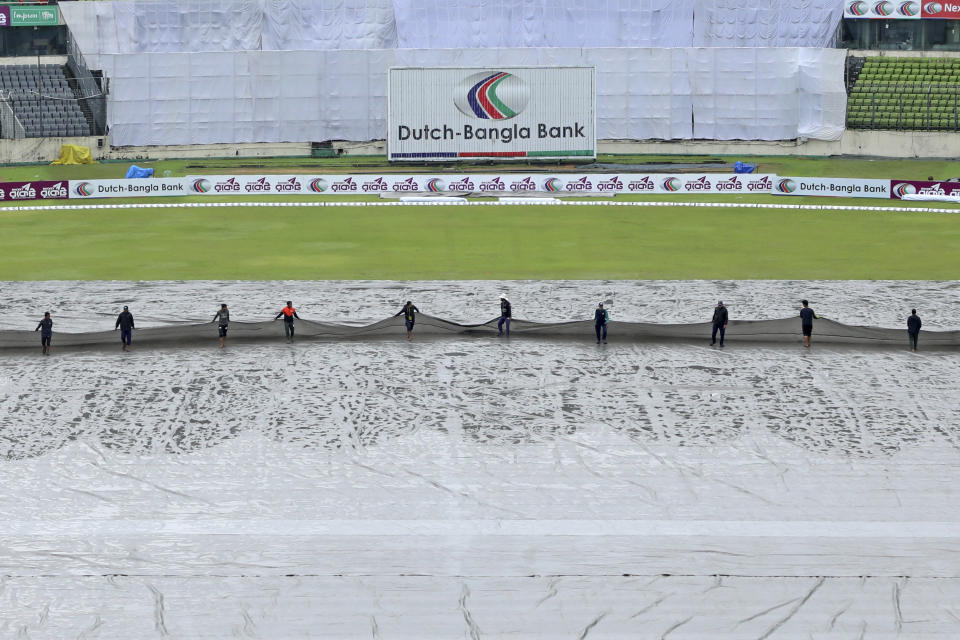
36 190
883 9
493 184
443 114
900 188
947 10
123 188
838 187
34 16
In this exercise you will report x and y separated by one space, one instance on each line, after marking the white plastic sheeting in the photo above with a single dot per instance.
291 96
766 23
187 26
245 25
767 94
423 24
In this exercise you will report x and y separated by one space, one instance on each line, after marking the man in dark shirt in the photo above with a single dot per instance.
600 319
720 317
125 324
45 327
913 329
224 317
505 313
409 313
807 316
288 313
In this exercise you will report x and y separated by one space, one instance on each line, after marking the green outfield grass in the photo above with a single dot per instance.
507 242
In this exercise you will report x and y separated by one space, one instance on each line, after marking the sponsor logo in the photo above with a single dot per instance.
226 186
903 189
491 95
344 185
493 185
257 186
908 9
932 190
613 184
933 7
288 186
3 194
319 185
671 184
407 185
54 191
733 184
643 184
583 184
3 19
375 185
700 184
551 184
883 8
201 185
527 184
435 185
763 184
464 185
25 192
84 189
786 186
858 8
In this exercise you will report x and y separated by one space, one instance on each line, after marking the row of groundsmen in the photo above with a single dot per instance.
601 317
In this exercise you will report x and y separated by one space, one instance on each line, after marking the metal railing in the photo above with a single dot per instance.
92 89
10 126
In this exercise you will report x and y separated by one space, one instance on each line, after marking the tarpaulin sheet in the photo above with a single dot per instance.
248 25
74 154
782 331
296 96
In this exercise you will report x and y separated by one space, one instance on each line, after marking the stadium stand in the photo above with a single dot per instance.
43 100
904 93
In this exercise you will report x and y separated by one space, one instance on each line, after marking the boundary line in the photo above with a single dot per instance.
468 203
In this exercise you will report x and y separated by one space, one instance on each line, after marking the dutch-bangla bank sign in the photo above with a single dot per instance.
503 112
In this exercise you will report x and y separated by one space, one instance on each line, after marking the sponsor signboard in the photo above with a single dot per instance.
512 183
883 9
443 114
900 188
36 190
840 187
126 188
33 16
948 10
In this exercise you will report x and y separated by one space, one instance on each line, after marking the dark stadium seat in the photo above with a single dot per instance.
905 94
43 100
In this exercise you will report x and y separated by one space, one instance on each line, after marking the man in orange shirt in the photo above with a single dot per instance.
288 313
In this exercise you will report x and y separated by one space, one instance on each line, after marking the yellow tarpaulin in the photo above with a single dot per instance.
74 154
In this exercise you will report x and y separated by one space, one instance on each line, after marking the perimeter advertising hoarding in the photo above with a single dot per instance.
35 190
493 184
884 9
839 187
439 114
900 188
123 188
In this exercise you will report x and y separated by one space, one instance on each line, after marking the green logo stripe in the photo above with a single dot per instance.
492 95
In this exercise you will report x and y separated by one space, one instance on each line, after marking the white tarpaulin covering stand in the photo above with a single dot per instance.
231 25
289 96
294 71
